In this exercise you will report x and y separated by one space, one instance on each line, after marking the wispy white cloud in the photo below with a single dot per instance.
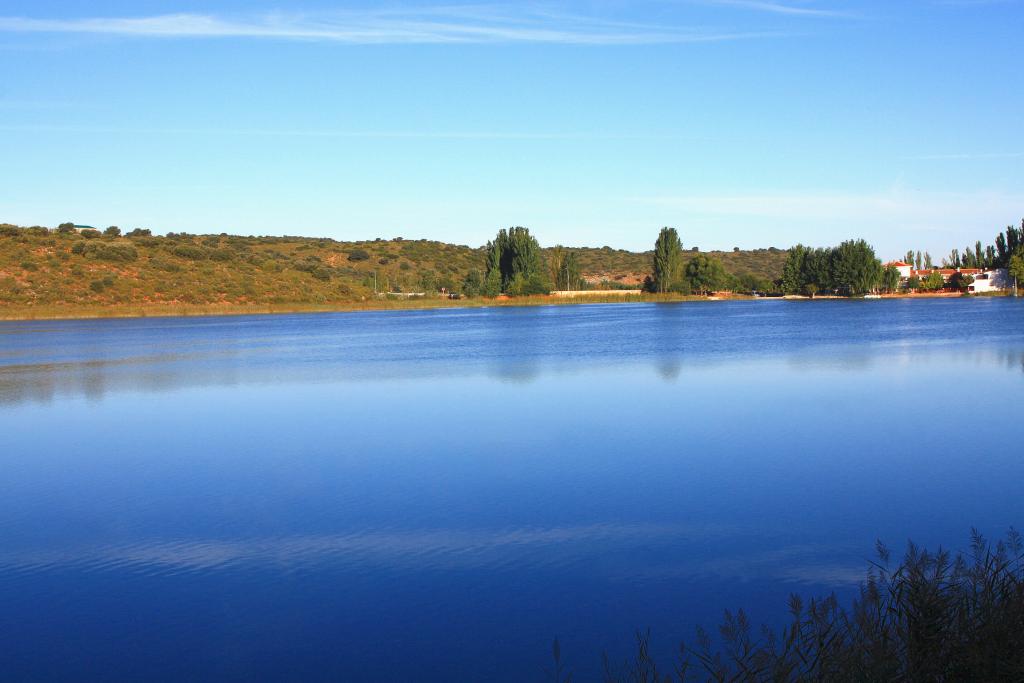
475 24
909 207
800 10
967 156
977 3
335 133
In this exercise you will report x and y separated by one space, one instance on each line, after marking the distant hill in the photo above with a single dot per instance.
630 267
39 266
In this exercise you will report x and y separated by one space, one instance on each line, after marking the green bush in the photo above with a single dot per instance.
118 253
89 233
29 265
221 255
166 266
189 251
358 255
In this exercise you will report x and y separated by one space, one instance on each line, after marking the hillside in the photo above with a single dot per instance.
41 267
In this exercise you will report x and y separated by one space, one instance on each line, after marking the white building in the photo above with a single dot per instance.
904 268
991 281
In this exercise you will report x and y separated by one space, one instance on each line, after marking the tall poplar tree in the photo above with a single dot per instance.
668 259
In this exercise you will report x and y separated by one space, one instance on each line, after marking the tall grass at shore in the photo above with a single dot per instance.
77 311
931 617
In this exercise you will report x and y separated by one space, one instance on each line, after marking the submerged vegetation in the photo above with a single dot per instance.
931 617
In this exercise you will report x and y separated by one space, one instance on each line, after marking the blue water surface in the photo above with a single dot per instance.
436 495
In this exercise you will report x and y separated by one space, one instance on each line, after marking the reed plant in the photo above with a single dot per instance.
934 616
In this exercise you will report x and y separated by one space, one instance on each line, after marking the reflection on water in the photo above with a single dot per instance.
39 361
433 495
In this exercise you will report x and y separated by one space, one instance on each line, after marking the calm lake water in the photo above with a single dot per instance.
436 495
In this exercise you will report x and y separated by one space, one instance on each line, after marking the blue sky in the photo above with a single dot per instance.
739 122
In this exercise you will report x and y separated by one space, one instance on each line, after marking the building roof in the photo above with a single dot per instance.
897 264
946 271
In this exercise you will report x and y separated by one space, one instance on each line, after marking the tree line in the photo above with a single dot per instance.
673 272
1006 251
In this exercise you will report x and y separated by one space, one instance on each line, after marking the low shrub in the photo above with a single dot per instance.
189 251
221 255
358 255
118 253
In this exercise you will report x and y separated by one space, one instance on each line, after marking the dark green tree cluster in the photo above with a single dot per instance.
891 279
932 282
851 269
515 265
705 274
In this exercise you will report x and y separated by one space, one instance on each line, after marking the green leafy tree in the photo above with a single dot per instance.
748 282
570 276
817 271
515 264
933 282
473 284
961 281
855 268
112 231
914 283
668 260
705 274
1002 253
556 262
891 279
65 228
928 264
793 270
1016 267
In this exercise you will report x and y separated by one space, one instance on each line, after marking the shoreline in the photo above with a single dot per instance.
87 312
74 312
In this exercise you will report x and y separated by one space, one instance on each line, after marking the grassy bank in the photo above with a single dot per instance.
57 312
87 274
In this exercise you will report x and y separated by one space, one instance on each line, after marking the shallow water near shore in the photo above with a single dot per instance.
434 495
